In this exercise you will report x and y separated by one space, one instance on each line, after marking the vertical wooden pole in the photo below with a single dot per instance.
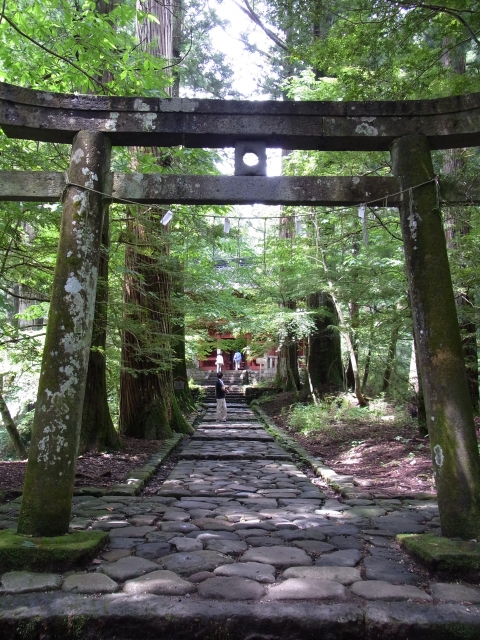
52 457
451 429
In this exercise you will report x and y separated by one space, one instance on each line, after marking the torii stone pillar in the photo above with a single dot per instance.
50 474
451 429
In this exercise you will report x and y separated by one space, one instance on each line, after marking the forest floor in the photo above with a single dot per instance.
93 469
385 454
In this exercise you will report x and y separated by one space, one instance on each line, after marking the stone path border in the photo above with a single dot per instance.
122 617
137 478
344 484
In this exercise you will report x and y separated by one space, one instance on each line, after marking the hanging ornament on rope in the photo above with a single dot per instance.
265 243
298 225
362 214
166 218
226 226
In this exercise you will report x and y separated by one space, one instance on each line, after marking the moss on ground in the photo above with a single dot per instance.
457 557
49 554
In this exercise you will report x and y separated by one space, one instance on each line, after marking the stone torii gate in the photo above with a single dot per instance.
92 124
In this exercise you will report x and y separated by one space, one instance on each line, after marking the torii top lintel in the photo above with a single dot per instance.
342 126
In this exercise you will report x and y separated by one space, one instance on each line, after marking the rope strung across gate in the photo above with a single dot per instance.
409 190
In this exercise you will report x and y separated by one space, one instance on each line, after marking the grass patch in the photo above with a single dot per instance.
59 553
338 412
456 557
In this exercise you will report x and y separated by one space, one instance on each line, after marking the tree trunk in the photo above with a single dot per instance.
392 348
453 440
98 432
454 60
324 348
11 427
287 376
421 411
50 474
148 407
144 409
353 359
354 314
180 375
346 334
455 229
366 370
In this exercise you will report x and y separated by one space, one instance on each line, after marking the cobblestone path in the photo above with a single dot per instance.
239 526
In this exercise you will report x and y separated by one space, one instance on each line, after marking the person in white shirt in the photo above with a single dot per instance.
219 361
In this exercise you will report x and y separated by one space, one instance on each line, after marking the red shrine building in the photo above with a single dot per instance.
268 362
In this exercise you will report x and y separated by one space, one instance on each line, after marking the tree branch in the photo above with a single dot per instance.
14 295
15 340
440 9
57 55
256 19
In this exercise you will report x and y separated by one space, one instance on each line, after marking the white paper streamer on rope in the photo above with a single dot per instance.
166 218
226 225
298 225
362 214
437 193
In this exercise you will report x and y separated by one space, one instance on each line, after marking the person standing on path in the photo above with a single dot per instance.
220 392
219 361
237 358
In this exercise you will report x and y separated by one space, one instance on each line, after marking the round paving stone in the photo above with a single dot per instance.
341 530
262 541
177 515
25 581
161 583
213 535
178 527
304 589
116 554
380 590
186 564
125 543
108 525
279 557
313 546
455 593
201 513
146 520
153 550
201 576
212 524
346 558
127 568
378 541
379 569
226 546
131 532
89 583
368 512
250 533
186 544
264 573
231 588
343 575
390 554
346 542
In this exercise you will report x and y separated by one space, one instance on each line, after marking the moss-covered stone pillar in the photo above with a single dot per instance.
50 474
453 441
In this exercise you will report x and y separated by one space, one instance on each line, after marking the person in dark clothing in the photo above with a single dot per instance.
220 392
